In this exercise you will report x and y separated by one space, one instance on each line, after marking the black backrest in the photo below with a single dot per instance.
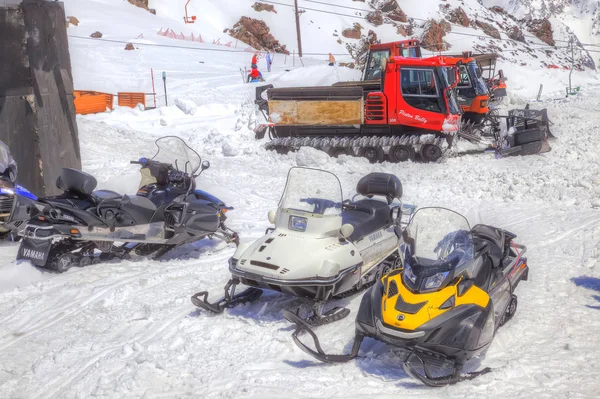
76 181
383 184
496 241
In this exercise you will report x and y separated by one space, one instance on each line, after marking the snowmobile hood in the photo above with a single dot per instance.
401 308
285 256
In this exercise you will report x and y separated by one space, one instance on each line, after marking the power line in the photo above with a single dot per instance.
157 45
336 5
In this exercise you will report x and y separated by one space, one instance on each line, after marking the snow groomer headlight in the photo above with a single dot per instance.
435 281
297 223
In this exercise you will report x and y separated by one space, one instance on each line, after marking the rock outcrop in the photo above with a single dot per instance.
516 33
459 16
433 35
72 21
264 7
142 4
375 18
353 33
256 34
488 29
542 29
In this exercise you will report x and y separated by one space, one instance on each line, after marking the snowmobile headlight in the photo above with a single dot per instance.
408 273
297 223
436 280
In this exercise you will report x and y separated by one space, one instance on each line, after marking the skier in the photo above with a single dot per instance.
254 62
331 60
269 61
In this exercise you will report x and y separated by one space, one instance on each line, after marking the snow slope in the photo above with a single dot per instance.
128 329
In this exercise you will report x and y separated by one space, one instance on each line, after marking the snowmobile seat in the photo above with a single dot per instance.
102 195
496 239
370 216
383 184
76 181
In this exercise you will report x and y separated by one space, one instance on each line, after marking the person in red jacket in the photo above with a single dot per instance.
255 60
255 76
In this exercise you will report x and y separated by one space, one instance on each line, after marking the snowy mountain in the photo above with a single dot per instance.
582 17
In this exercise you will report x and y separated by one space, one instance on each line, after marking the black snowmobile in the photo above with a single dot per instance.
12 218
456 288
81 226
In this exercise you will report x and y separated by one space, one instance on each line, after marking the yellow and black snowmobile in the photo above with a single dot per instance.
455 289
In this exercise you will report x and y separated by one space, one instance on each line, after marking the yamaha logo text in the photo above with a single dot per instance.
32 254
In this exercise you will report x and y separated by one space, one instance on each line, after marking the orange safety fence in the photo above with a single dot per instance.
131 100
92 102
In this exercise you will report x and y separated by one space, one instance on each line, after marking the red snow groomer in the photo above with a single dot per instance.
411 111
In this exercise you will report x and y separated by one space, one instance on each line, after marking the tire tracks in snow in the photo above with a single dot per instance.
64 312
143 338
76 307
564 235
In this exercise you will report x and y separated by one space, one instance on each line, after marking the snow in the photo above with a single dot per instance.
128 329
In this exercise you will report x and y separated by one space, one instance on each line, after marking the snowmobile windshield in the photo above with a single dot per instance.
312 191
436 244
6 159
448 77
173 150
476 79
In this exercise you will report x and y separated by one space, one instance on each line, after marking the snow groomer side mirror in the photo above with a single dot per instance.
272 215
347 230
398 231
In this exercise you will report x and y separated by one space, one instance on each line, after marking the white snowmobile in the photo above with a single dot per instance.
321 247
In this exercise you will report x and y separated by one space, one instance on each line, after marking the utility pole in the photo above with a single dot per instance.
572 48
298 28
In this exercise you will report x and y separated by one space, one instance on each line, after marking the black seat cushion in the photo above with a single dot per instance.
127 210
495 238
102 195
372 216
383 184
76 181
485 274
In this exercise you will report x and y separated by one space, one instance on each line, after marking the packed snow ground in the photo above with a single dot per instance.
128 329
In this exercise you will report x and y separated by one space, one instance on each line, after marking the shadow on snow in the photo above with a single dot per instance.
591 283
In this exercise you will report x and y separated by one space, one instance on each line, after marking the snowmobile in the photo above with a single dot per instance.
444 306
167 211
11 194
321 247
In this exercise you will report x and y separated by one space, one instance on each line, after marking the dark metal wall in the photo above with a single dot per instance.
37 115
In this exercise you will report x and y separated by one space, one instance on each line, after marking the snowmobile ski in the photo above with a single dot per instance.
304 326
230 300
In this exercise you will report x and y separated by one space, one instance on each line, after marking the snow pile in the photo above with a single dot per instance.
188 107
